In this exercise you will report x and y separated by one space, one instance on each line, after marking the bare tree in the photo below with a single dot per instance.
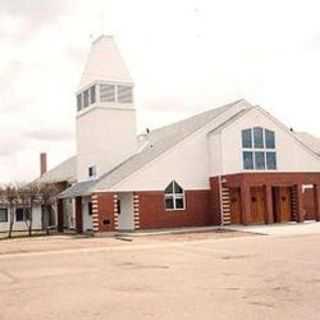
34 197
29 198
48 194
9 196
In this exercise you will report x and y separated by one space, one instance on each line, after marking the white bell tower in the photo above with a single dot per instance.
106 117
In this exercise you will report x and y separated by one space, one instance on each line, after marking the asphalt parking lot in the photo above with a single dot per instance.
171 277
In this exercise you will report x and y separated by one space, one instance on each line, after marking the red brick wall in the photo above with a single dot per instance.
153 214
272 178
215 200
105 212
308 204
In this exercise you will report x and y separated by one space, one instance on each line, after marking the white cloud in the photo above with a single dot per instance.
185 56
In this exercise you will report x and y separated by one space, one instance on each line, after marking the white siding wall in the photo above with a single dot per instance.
20 225
68 213
126 217
105 137
215 154
87 219
187 163
291 155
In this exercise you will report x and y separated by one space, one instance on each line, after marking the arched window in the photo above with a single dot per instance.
174 197
259 149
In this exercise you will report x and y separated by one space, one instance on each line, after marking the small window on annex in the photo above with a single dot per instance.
3 215
92 171
19 215
174 197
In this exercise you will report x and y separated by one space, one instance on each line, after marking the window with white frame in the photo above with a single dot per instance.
174 197
19 215
258 149
92 171
3 215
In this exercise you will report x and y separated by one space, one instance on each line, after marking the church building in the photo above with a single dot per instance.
234 164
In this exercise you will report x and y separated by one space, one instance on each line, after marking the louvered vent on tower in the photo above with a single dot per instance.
107 93
125 94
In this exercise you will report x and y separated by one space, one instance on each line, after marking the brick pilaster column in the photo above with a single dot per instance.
269 204
316 197
245 204
300 210
136 208
115 212
95 212
60 216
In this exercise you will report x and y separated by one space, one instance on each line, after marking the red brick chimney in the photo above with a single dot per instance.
43 163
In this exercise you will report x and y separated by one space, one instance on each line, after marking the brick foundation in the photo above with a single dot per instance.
152 212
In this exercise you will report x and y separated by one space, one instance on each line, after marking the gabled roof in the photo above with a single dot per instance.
309 140
159 141
64 172
104 63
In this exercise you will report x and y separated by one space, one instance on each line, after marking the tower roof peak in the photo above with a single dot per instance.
102 37
104 63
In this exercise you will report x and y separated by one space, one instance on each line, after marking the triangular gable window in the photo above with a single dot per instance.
169 188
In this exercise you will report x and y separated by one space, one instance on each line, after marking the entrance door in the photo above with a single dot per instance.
235 205
125 211
282 204
258 206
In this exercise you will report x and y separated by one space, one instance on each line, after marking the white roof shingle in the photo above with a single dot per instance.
65 171
159 141
309 140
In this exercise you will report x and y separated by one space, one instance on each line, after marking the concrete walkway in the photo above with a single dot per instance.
164 231
289 229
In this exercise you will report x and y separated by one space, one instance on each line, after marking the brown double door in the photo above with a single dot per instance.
257 205
281 204
281 199
235 205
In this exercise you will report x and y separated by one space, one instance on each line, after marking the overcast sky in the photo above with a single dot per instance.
185 57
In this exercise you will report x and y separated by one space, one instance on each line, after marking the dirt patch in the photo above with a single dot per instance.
231 257
131 265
